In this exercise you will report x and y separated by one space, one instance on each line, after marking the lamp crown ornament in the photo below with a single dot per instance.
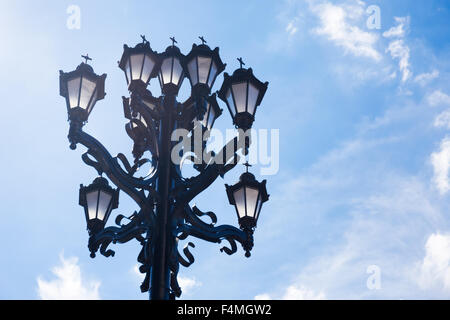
87 58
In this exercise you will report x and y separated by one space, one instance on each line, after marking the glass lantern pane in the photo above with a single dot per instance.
192 68
91 202
230 101
258 207
203 69
240 96
252 198
149 104
141 118
93 100
128 71
73 88
136 66
212 75
166 69
240 202
252 97
87 90
177 71
103 204
148 68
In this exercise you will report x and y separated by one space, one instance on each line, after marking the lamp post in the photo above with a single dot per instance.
163 195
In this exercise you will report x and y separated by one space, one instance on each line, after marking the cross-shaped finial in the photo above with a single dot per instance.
173 41
241 62
143 39
202 39
86 57
247 165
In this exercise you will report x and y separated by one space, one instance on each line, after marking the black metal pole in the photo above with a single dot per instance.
160 274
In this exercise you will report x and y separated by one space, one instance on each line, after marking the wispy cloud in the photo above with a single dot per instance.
438 98
400 51
68 283
441 164
424 78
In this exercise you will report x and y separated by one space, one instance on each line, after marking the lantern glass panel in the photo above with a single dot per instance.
166 70
73 87
177 71
252 97
192 68
136 66
91 199
103 204
252 198
93 100
229 98
212 74
87 91
147 69
128 71
239 199
204 64
149 104
240 96
258 207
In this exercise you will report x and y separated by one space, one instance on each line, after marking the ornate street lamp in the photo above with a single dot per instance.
203 65
243 93
165 215
140 64
82 88
98 200
247 196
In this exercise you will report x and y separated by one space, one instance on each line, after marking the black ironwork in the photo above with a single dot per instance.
163 194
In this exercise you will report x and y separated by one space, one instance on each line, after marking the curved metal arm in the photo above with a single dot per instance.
199 229
111 167
133 230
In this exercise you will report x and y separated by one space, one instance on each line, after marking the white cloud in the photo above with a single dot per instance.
188 284
443 120
435 267
424 78
441 164
400 30
438 98
69 283
336 26
400 51
294 292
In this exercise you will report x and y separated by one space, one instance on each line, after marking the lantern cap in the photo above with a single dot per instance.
143 47
83 69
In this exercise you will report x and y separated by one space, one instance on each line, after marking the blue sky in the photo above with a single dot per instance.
364 120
